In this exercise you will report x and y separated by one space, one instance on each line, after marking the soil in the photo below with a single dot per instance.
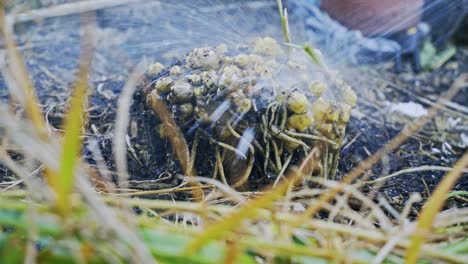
127 35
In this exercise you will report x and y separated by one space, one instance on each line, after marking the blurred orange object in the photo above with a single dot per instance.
375 17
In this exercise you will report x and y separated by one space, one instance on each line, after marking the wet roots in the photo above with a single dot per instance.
242 123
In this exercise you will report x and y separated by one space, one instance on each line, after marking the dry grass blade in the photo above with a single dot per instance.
69 9
108 219
121 125
20 85
432 207
74 121
112 220
249 209
24 92
398 173
389 147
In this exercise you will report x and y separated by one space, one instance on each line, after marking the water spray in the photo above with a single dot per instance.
249 113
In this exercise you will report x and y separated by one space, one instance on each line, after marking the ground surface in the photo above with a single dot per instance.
164 31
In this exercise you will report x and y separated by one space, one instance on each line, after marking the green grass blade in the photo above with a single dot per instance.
284 23
74 121
71 145
312 54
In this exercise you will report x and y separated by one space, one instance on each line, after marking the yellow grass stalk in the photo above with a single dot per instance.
71 147
74 120
432 207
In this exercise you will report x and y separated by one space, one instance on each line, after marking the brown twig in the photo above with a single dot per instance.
177 140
